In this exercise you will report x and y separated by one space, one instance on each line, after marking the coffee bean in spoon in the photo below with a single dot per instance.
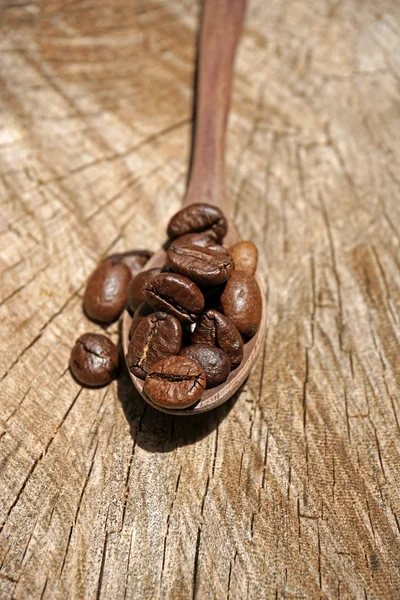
202 265
176 295
245 256
213 361
144 310
241 302
216 329
159 335
197 218
106 291
94 360
136 288
175 382
134 259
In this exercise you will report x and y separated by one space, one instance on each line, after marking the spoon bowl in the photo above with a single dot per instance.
215 396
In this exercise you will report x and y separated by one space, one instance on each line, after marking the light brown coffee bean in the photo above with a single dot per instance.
245 256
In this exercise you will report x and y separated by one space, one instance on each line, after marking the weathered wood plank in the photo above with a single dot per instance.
292 489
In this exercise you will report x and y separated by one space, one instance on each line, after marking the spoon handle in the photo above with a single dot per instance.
220 31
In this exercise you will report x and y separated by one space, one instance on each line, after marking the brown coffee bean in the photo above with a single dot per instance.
214 362
105 294
175 382
144 310
203 266
136 289
176 295
216 329
134 259
94 359
241 302
159 335
196 239
245 256
198 218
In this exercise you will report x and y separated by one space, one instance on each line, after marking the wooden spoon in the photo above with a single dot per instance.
221 26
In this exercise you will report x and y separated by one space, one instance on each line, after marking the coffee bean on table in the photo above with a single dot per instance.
175 382
196 239
136 289
213 361
106 290
94 359
176 295
159 335
216 329
241 302
245 256
202 265
144 310
198 218
134 259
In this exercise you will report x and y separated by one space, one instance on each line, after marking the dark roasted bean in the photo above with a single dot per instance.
136 289
135 259
214 362
203 266
94 359
216 329
198 218
106 291
177 295
241 302
245 257
159 335
175 382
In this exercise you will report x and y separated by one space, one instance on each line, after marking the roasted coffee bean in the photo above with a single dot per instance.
203 266
198 218
159 335
176 295
94 359
135 259
175 382
214 362
216 329
106 291
136 289
241 302
245 256
144 310
196 239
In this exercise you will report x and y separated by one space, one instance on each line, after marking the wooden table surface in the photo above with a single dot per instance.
291 490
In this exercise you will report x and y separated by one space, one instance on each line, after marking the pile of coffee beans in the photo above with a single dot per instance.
190 319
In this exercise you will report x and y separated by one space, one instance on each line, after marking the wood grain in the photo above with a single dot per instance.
291 490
